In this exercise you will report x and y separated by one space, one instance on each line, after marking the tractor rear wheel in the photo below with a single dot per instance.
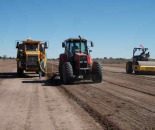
67 73
97 72
129 69
19 71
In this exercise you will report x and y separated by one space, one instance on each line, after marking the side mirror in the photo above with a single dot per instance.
63 45
92 44
17 45
90 50
46 45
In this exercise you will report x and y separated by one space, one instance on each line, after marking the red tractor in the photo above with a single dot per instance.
76 62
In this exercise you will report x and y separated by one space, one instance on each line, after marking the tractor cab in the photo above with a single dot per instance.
75 47
31 46
140 54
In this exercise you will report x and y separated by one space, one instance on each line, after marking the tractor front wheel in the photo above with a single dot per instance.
129 69
97 72
19 71
67 73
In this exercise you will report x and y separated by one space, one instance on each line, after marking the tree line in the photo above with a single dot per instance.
6 57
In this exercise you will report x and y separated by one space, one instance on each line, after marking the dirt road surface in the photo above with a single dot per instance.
28 103
121 101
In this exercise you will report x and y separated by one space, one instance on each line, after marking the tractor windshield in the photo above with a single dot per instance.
31 47
84 48
140 54
76 47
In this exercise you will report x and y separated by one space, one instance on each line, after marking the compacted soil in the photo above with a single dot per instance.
30 103
121 101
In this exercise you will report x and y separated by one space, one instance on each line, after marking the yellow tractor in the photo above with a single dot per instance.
140 62
31 56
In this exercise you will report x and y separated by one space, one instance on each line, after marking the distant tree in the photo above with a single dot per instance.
0 57
4 57
105 58
110 58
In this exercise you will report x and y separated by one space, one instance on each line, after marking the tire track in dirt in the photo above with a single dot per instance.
67 110
146 87
131 76
111 107
149 105
12 103
30 103
105 123
135 82
32 110
124 86
94 114
141 116
117 69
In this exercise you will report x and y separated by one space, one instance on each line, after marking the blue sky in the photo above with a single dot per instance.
115 26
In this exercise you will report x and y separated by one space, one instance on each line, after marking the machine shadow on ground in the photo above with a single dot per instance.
14 75
48 82
54 81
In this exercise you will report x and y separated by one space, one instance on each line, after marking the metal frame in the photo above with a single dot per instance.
135 49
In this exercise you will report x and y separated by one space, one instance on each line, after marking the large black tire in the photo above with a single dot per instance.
97 72
129 69
61 70
19 71
67 73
